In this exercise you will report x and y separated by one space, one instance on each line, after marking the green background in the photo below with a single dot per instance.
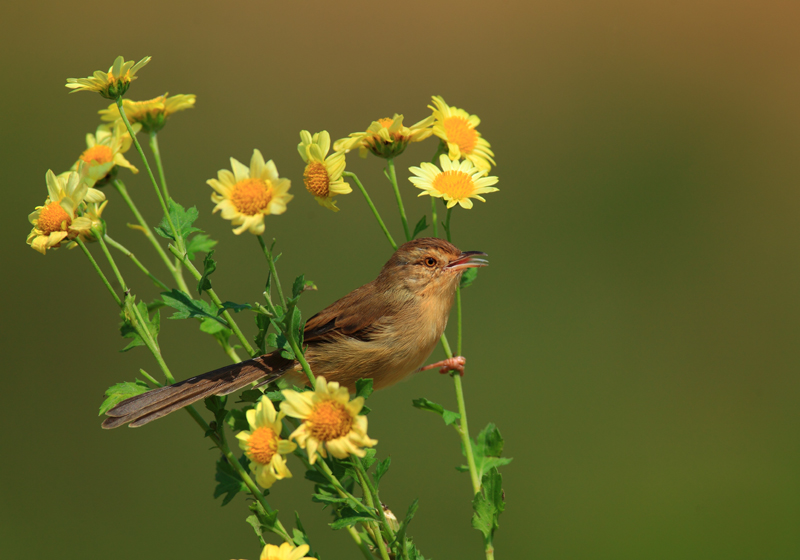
635 338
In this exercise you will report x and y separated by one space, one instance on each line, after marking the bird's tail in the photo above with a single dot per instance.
149 406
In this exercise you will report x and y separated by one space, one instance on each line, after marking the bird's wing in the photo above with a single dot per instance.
356 315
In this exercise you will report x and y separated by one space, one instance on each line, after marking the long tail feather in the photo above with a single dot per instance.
149 406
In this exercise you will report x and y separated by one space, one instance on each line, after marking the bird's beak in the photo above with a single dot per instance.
468 259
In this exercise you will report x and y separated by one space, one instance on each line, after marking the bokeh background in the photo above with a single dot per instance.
635 338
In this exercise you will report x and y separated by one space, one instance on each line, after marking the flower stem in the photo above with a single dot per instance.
362 546
372 207
111 261
136 261
178 238
273 271
393 179
214 298
99 271
148 233
439 151
159 166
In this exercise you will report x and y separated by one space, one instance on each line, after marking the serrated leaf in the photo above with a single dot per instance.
364 388
253 521
236 307
349 521
381 469
228 481
483 518
401 532
298 285
181 219
200 243
421 226
369 458
121 391
468 277
209 266
448 416
186 307
127 329
211 326
486 450
250 396
237 419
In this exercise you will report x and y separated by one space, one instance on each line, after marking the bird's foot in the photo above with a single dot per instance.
450 364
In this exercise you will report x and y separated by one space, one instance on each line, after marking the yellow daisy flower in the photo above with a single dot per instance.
285 552
386 137
456 182
57 220
104 151
322 176
111 84
457 129
263 445
331 421
151 114
247 195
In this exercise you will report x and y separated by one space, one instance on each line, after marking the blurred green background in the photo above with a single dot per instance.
635 338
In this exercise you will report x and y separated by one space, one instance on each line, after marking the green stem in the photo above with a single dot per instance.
136 261
148 233
372 207
99 271
362 546
434 216
113 264
214 298
178 238
159 166
371 490
393 180
272 270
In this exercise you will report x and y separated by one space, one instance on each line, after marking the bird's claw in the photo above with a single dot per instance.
455 363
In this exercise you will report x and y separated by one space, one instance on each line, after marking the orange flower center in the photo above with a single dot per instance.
52 217
460 132
386 122
329 420
262 445
456 184
99 153
316 179
251 196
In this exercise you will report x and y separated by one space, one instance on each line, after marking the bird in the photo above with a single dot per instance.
384 330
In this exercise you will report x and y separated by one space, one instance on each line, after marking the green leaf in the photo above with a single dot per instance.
211 326
309 286
216 405
381 469
488 504
209 266
487 450
250 396
298 286
448 416
236 307
237 419
187 307
350 521
265 520
369 458
468 277
228 480
121 391
127 330
364 388
261 338
421 226
181 219
253 521
401 532
200 243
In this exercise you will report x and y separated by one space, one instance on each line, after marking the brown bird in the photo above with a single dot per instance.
384 330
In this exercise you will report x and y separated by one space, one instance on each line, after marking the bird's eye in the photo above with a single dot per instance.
430 261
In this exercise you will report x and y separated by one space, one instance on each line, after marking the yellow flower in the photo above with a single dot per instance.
263 445
322 176
58 220
151 114
457 129
331 421
247 195
386 137
104 151
456 182
111 84
285 552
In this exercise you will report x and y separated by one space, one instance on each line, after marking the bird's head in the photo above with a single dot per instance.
429 266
